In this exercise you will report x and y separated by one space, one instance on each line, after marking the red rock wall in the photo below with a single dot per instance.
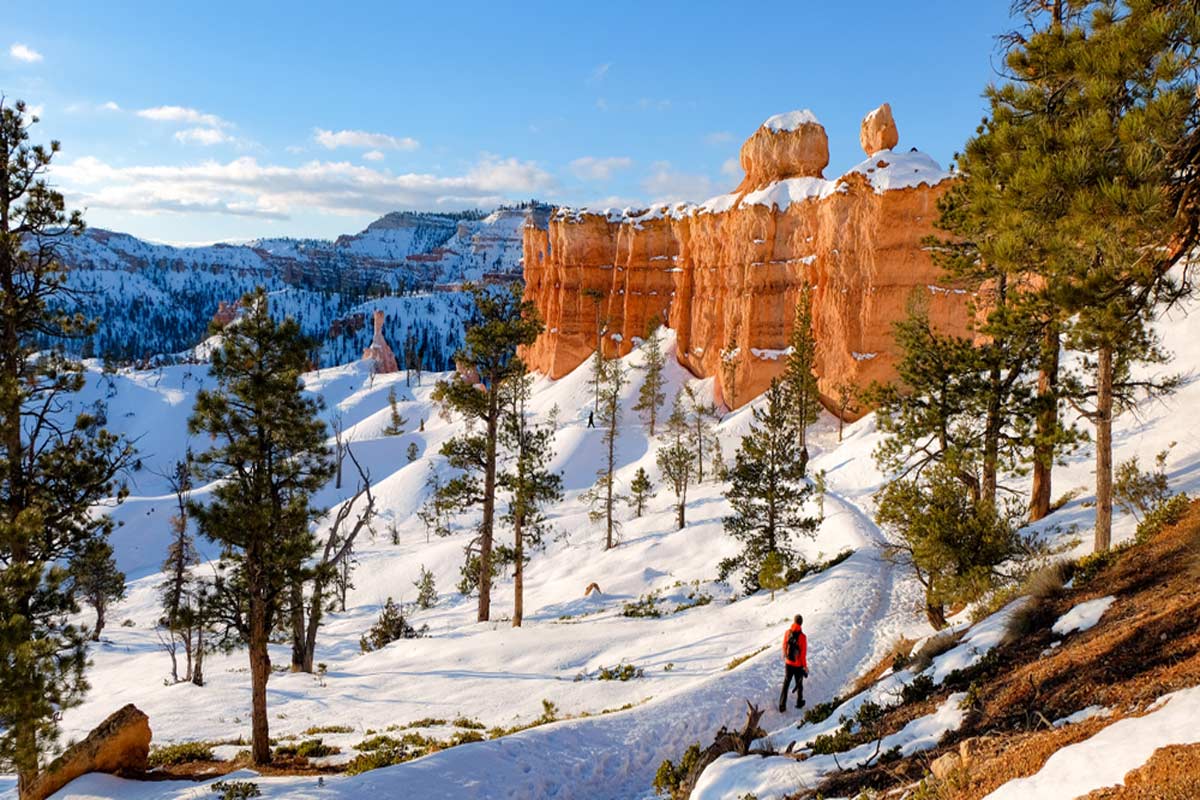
728 280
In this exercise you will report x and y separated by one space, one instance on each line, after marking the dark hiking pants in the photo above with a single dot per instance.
796 674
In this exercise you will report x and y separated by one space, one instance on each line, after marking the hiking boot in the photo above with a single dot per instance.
800 704
782 708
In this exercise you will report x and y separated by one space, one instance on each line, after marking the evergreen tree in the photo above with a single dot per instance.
954 545
799 377
426 589
57 466
97 579
772 574
396 423
847 403
651 394
505 322
596 381
730 355
603 496
767 491
528 480
640 490
411 452
701 418
269 456
176 592
675 459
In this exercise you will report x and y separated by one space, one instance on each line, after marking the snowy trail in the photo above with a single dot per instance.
615 756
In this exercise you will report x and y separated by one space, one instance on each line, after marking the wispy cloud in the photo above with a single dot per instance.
245 187
23 52
204 136
110 106
374 155
599 72
365 140
731 167
598 169
182 114
719 137
665 184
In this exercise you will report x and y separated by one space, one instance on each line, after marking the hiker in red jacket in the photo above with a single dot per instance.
795 661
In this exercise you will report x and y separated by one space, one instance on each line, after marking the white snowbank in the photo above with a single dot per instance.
1104 759
981 638
1081 715
890 169
790 120
779 776
1083 617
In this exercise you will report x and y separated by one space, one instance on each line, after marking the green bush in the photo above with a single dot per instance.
391 626
464 722
1093 564
644 606
822 711
237 790
1169 513
668 779
621 672
319 729
183 753
919 689
309 748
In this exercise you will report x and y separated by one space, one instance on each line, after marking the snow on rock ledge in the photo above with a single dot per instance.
1083 617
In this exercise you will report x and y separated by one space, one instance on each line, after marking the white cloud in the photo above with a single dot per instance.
599 71
204 136
364 139
374 155
245 187
664 185
24 53
731 167
182 114
598 169
601 104
719 137
110 106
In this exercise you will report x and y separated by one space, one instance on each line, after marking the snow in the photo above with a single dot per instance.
1082 715
891 169
790 120
1105 758
774 777
981 638
1083 617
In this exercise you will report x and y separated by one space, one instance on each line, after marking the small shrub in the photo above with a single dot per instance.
644 606
426 589
670 777
822 711
737 662
933 647
426 722
919 689
621 672
315 748
128 623
1168 513
319 729
464 722
391 626
694 600
236 790
464 737
1093 564
183 753
1139 493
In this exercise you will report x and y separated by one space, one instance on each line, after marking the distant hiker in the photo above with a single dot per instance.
591 420
795 662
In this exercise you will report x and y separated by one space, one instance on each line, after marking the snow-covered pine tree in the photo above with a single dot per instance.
640 491
651 394
675 458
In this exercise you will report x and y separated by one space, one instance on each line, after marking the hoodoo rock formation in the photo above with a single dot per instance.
119 745
726 274
379 351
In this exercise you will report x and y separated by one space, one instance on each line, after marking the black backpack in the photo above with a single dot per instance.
793 645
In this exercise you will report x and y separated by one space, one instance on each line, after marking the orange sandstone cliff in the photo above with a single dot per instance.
726 274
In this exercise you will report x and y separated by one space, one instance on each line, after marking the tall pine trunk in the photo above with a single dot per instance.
489 505
260 672
314 622
1104 477
519 570
1047 423
198 664
296 593
608 483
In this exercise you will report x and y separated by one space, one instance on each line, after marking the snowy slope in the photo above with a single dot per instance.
153 298
500 675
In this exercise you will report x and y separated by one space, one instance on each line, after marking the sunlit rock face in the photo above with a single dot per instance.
726 274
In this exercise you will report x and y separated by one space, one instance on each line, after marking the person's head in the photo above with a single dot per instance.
799 619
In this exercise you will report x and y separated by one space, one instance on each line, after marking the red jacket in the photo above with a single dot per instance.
803 660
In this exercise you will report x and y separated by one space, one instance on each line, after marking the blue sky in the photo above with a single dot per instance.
243 120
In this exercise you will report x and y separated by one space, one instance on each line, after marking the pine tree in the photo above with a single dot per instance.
772 574
847 403
799 377
701 417
57 467
180 616
640 490
505 322
269 456
603 496
97 579
396 422
767 491
530 483
675 459
426 589
651 394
